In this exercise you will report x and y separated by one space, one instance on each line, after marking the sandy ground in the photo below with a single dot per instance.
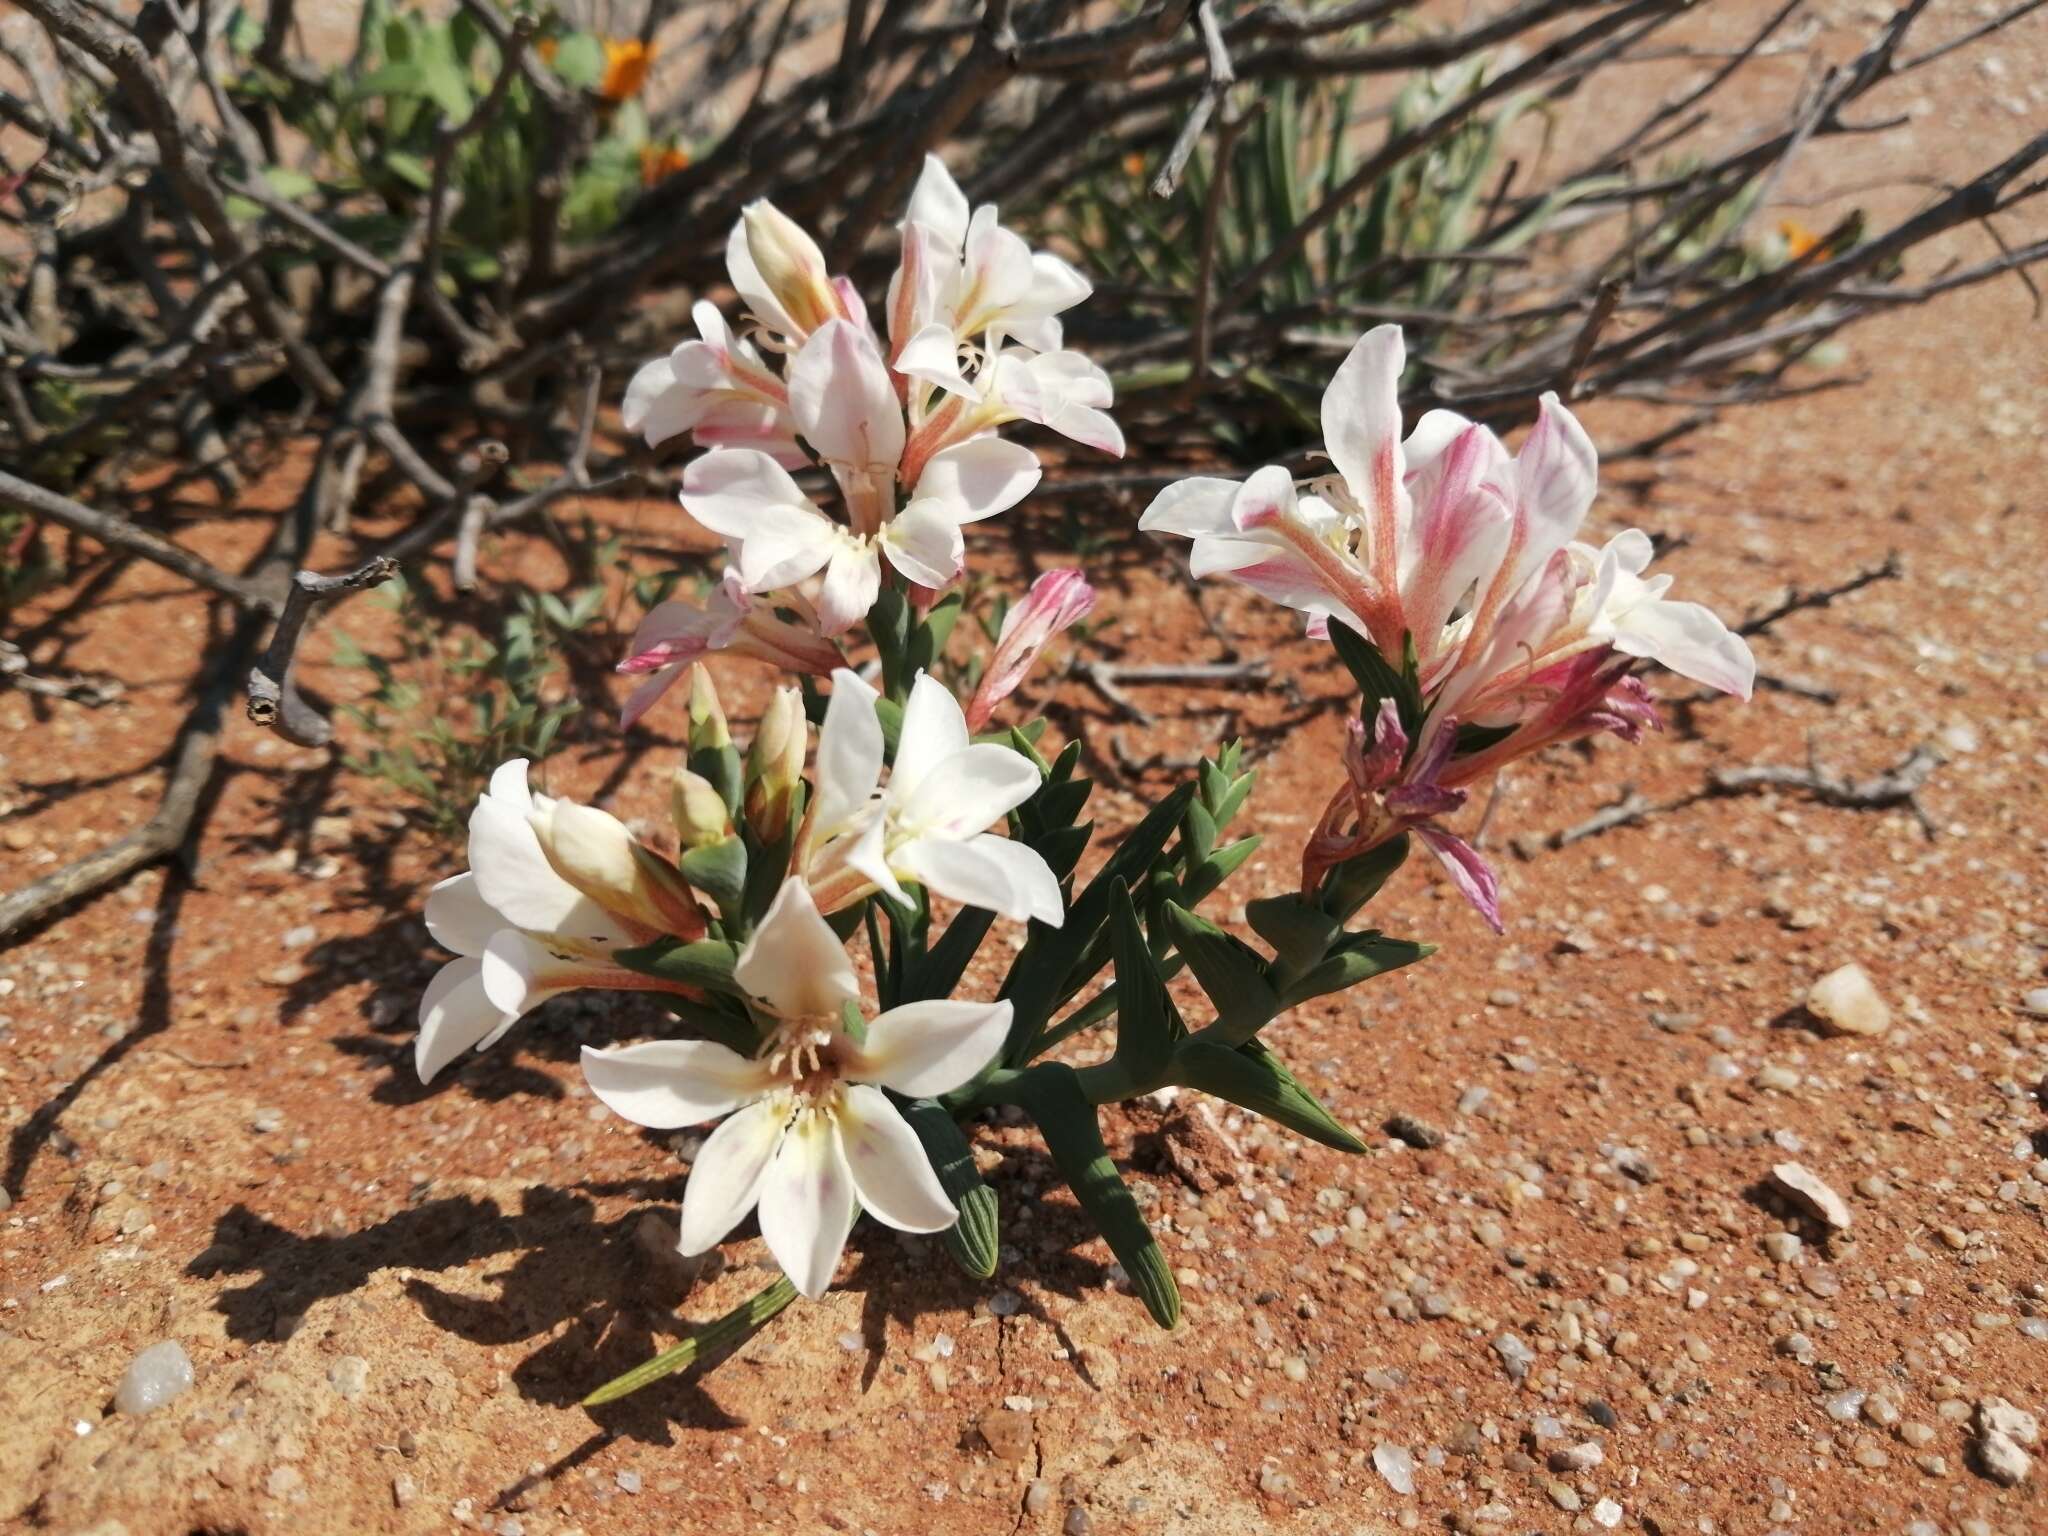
393 1297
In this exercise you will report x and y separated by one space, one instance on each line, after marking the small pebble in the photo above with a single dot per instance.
350 1376
1846 1001
1783 1247
1809 1191
1396 1466
1515 1355
1419 1134
153 1378
629 1482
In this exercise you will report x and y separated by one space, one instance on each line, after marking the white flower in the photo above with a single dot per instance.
965 278
778 536
717 389
927 825
551 890
810 1136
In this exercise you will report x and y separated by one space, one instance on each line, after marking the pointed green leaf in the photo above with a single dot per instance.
1253 1078
1229 972
1355 958
1051 1094
1300 932
973 1239
706 963
738 1325
719 870
1145 1032
1356 881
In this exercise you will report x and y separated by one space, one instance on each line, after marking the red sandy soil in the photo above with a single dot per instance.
394 1296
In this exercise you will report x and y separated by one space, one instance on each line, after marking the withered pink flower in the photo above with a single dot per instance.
1385 794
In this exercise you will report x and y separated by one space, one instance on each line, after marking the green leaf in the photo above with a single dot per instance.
1356 957
579 59
738 1325
1043 974
938 972
1217 868
1300 932
1229 972
409 168
719 870
1253 1078
1377 679
705 963
973 1239
1051 1094
1146 1026
1356 881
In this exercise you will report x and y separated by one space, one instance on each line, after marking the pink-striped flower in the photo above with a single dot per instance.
676 633
1057 601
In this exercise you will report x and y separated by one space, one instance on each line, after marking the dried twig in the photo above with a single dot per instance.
1221 78
273 699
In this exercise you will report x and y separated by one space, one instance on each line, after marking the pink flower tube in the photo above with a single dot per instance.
1057 601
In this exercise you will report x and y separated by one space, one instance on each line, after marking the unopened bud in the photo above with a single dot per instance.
698 809
792 267
775 763
708 730
594 852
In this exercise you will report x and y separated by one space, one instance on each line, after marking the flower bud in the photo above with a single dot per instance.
1057 600
594 852
775 764
698 809
792 267
708 730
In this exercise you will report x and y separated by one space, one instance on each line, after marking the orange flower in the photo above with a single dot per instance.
625 68
546 49
658 162
1134 164
1797 237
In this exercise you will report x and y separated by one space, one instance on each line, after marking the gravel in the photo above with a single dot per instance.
1808 1190
1846 1001
153 1378
1417 1133
1396 1466
1515 1355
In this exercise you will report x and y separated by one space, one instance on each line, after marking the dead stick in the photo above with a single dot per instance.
273 700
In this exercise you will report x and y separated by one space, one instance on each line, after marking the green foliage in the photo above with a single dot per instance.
443 713
371 127
1390 246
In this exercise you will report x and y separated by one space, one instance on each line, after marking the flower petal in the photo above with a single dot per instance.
980 478
455 1016
514 876
843 399
1192 507
923 541
934 729
1691 640
996 873
928 1048
723 489
806 1204
853 579
668 1084
849 753
967 791
1469 872
795 963
892 1177
726 1178
938 203
459 918
1361 415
